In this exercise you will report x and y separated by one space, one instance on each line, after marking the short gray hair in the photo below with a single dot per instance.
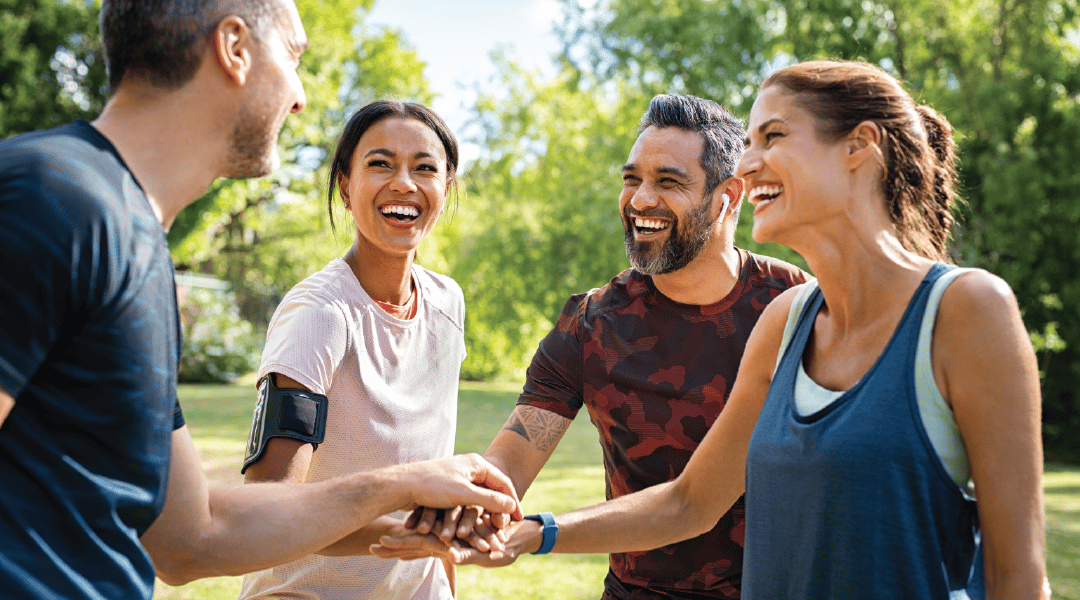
724 134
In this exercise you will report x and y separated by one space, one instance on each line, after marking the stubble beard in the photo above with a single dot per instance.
252 147
682 246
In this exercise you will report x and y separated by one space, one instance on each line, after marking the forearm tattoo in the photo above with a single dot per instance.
541 427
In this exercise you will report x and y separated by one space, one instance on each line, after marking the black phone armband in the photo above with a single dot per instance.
289 413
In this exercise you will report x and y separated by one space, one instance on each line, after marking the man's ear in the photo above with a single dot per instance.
232 40
734 188
864 142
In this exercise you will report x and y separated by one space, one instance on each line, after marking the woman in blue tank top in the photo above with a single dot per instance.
846 496
850 490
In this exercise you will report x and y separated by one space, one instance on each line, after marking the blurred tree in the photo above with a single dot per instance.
545 192
50 66
1003 71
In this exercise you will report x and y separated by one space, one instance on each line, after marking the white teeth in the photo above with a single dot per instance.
765 190
643 223
397 209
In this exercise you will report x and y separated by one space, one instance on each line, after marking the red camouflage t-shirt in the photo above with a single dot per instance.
654 375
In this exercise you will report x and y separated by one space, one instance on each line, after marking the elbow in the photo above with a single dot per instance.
700 519
698 513
175 571
179 566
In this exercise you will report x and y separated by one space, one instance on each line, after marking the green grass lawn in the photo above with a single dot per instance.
219 417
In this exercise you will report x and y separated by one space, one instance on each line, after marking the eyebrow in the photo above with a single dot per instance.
766 124
392 154
668 170
761 128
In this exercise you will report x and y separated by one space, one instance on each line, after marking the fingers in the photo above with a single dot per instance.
493 501
462 480
469 519
427 520
492 538
410 547
472 529
472 556
500 521
449 525
414 518
498 486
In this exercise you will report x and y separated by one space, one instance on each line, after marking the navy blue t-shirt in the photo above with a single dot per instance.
89 348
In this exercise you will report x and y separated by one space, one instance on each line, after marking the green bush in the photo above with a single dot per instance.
219 345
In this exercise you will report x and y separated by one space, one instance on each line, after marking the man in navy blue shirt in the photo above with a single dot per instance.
99 479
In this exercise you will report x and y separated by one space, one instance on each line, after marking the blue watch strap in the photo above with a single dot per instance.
550 531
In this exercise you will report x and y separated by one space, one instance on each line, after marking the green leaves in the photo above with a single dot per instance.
541 219
265 235
1003 72
50 66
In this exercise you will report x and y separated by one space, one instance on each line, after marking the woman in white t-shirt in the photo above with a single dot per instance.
382 338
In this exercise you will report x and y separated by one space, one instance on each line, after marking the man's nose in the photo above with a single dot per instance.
644 198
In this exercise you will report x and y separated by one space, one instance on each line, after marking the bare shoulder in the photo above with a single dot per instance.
980 342
977 306
978 290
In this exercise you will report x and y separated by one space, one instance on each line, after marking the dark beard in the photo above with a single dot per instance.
681 247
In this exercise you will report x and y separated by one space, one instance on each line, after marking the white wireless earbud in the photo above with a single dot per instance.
727 200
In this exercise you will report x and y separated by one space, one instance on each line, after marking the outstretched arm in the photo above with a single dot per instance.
204 532
669 512
986 369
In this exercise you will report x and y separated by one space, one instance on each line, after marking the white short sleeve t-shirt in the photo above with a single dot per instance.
392 390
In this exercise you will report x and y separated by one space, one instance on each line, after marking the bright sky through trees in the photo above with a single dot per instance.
456 39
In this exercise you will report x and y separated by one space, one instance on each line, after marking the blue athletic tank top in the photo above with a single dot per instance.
852 501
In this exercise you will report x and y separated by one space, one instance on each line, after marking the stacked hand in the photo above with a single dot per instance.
462 535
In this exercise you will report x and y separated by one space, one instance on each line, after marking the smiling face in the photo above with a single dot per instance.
667 217
792 176
396 187
275 93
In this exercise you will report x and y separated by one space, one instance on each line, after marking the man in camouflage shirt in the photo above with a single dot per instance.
653 354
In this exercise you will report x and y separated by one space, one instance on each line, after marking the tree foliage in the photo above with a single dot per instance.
265 235
50 66
1004 73
542 213
540 219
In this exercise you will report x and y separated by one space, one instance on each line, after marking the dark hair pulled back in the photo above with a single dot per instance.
372 113
918 150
